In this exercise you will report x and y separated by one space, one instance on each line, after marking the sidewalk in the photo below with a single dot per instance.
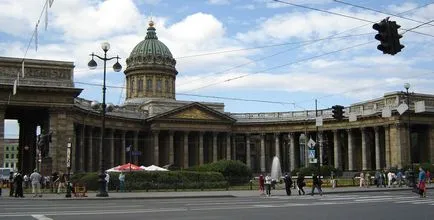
199 194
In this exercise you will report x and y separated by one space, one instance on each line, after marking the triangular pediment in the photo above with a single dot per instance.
194 113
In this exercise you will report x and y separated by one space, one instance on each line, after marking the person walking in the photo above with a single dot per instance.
428 177
122 182
288 184
421 185
35 179
362 179
268 185
107 180
261 184
11 184
316 183
300 184
18 180
390 177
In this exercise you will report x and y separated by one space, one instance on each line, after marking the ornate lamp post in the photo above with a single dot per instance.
116 67
407 94
68 166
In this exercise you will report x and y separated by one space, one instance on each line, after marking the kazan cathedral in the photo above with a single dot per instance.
160 130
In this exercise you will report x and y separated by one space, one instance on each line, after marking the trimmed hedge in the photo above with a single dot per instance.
156 180
234 171
308 171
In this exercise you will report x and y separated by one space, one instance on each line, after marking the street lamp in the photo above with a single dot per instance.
116 67
407 94
25 149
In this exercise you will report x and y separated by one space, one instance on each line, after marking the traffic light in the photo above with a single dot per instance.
338 112
384 36
396 45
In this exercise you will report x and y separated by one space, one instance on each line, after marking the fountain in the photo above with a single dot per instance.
276 170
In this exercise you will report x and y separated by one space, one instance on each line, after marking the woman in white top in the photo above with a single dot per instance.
268 185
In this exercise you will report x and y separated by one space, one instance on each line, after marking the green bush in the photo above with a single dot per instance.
308 171
156 180
235 172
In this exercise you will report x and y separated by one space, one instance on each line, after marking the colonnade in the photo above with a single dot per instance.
365 148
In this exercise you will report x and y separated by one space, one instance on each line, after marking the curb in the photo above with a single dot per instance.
120 198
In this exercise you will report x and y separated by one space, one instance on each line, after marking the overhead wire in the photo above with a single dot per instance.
346 16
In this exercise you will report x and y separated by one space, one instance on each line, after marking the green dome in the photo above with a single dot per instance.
151 51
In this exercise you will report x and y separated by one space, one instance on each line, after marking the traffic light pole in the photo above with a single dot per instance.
317 143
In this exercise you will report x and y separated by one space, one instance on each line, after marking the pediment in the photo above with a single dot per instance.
195 113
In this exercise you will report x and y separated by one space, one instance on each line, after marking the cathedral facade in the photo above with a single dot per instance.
152 127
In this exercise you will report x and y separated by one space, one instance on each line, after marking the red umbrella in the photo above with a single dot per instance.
128 167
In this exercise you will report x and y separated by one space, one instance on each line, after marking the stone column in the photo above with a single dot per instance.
336 149
377 148
112 148
123 143
136 147
201 147
90 151
228 146
364 158
248 163
234 148
277 145
2 135
82 149
262 152
292 150
387 146
321 145
156 148
350 150
171 150
185 149
431 143
214 147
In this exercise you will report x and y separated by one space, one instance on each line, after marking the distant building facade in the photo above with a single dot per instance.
184 133
10 159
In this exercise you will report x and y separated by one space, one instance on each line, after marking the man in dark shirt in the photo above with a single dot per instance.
316 183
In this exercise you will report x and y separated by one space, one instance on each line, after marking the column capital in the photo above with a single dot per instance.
362 129
376 128
335 131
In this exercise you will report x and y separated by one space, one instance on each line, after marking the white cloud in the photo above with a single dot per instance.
218 2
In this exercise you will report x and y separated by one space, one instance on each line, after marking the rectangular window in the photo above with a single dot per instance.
7 156
7 148
12 156
140 85
12 165
149 84
13 148
167 86
6 165
159 85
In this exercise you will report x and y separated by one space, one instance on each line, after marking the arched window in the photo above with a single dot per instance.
167 86
131 87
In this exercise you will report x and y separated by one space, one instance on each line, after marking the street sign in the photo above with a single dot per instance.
136 153
318 121
311 143
311 154
313 160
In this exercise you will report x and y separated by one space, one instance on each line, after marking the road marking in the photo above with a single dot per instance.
41 217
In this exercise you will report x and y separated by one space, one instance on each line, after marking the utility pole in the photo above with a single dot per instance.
317 141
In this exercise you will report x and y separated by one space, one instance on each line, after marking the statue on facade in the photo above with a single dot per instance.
43 141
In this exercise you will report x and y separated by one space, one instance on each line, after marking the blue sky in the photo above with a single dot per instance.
290 65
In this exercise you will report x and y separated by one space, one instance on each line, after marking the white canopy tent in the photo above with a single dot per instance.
153 168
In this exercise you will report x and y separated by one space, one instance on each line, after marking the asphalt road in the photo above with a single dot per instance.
384 205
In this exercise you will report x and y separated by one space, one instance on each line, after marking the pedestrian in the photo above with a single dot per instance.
268 185
300 184
421 185
332 179
362 179
288 184
62 183
11 184
390 177
367 179
261 184
122 182
316 183
107 180
54 182
428 177
18 180
35 179
383 178
399 178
